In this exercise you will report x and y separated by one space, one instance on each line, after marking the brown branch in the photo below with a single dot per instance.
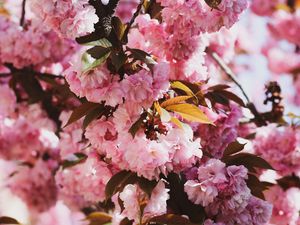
137 12
228 71
258 117
22 20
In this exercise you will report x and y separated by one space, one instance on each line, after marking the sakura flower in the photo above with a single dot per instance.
78 194
68 18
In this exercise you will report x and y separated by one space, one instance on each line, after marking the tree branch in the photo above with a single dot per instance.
22 20
258 118
228 71
137 12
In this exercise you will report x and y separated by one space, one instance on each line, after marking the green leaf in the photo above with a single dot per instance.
171 219
8 220
118 182
81 111
137 125
76 159
91 64
98 218
98 52
190 112
102 42
233 148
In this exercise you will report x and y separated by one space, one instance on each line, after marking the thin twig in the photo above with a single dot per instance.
228 71
258 117
22 20
49 75
137 12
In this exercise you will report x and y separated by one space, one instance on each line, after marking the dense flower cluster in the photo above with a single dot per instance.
221 189
280 147
68 18
44 46
123 112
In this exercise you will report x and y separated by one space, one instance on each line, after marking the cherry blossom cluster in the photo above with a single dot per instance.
126 112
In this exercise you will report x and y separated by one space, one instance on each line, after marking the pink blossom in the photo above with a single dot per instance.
285 205
14 143
35 186
99 85
276 58
263 7
280 147
297 87
210 222
70 137
68 18
233 195
204 190
227 14
7 101
96 85
60 214
44 47
157 204
125 9
132 197
214 139
76 193
286 26
101 133
257 212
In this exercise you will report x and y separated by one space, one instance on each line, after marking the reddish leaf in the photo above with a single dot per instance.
81 111
218 87
256 186
137 125
233 148
8 220
118 182
248 160
92 115
289 181
231 96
